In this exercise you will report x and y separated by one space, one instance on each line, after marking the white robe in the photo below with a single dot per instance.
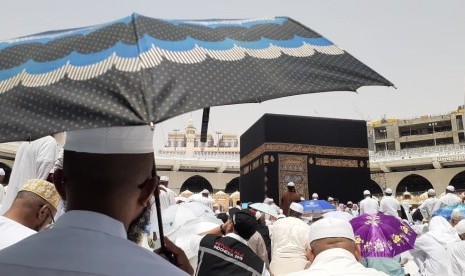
389 206
289 245
33 160
430 251
12 232
450 199
429 206
457 256
337 261
82 243
369 206
166 197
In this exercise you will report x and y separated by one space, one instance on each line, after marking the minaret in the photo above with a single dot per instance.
190 137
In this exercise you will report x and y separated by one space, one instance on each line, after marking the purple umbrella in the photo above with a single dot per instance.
381 235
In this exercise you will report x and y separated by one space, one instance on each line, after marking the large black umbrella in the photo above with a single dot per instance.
140 70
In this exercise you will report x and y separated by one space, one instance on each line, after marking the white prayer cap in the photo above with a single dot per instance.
164 178
388 191
297 207
2 171
460 227
205 191
456 215
290 184
450 188
302 198
349 202
366 192
331 228
314 195
431 192
112 140
330 199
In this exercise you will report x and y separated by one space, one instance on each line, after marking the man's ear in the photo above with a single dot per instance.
42 212
358 252
146 193
59 182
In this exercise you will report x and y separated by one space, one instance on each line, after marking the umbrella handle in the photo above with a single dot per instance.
163 250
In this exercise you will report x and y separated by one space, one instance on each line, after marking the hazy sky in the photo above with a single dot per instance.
417 45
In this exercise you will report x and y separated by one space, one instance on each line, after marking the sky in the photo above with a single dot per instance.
417 45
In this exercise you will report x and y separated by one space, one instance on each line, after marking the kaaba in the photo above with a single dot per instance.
320 155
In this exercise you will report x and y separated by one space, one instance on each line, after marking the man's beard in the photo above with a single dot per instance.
139 226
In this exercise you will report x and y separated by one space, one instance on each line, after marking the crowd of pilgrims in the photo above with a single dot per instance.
79 213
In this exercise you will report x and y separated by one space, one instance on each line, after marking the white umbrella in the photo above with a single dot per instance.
178 215
338 214
185 233
265 208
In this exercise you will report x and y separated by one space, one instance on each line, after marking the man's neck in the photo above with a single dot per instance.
20 215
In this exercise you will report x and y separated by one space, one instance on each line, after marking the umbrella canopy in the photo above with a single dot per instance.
178 215
265 208
338 214
317 206
446 211
141 70
382 235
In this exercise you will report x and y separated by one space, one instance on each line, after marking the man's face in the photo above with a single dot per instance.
1 178
349 205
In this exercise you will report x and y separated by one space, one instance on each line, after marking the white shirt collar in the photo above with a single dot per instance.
237 237
92 221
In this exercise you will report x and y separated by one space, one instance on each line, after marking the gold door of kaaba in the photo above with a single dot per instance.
293 168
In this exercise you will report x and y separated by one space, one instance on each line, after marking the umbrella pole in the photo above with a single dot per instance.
159 219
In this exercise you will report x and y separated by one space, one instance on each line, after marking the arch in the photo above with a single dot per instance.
413 183
458 181
232 186
196 184
7 170
374 188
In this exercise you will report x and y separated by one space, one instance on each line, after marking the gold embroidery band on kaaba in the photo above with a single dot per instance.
327 162
307 149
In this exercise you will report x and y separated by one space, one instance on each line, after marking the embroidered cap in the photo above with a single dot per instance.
44 189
